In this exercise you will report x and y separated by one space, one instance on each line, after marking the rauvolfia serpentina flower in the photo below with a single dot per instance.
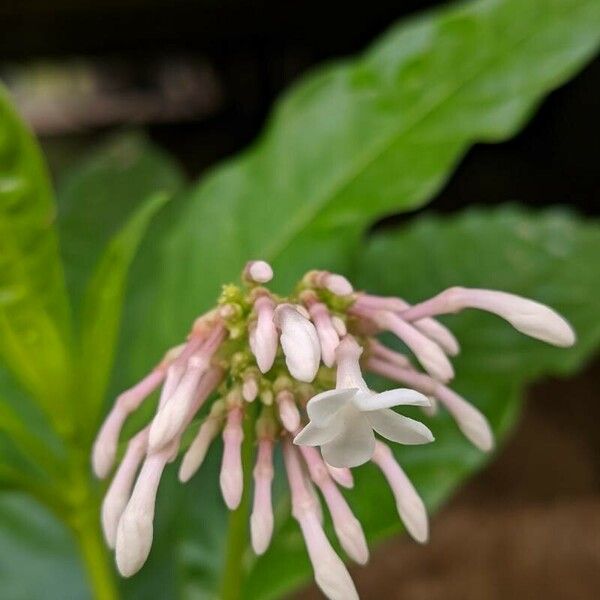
287 372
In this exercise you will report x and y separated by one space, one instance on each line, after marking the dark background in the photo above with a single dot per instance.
533 518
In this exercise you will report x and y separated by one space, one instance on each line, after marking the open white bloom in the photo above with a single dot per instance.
342 420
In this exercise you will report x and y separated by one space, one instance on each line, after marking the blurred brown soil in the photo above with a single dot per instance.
526 528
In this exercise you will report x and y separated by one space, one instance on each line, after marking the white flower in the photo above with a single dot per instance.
342 420
299 342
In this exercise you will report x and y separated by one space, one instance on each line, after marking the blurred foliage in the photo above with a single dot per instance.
350 143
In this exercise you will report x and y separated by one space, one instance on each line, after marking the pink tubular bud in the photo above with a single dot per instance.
135 529
469 419
231 477
346 525
330 572
299 341
250 387
527 316
378 350
261 520
194 457
428 353
288 411
118 493
432 328
409 504
335 283
263 334
328 336
258 271
195 385
342 476
105 446
339 326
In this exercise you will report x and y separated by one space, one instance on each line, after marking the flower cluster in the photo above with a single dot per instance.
289 370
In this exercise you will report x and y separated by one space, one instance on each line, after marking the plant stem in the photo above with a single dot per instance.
84 520
237 530
95 557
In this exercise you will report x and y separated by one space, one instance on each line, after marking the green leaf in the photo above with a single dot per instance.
366 137
34 312
97 196
103 302
550 257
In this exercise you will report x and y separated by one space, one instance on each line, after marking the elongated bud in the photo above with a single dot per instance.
432 328
261 520
118 493
263 334
135 530
469 419
335 283
339 326
194 457
194 388
330 572
342 476
258 271
409 504
231 477
105 446
288 411
428 353
346 525
527 316
378 350
328 336
299 341
250 386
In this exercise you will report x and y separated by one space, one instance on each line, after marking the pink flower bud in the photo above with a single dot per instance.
194 457
231 477
135 530
330 572
328 336
527 316
258 271
299 341
288 411
263 335
410 506
261 520
342 476
346 525
118 493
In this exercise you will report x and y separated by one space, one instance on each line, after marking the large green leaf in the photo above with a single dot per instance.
97 196
102 306
551 257
365 137
33 306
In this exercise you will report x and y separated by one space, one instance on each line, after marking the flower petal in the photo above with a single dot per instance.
312 435
396 397
398 428
323 407
354 445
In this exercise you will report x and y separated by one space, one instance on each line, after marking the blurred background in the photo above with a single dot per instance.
200 77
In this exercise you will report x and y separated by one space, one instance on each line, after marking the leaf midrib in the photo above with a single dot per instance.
310 211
